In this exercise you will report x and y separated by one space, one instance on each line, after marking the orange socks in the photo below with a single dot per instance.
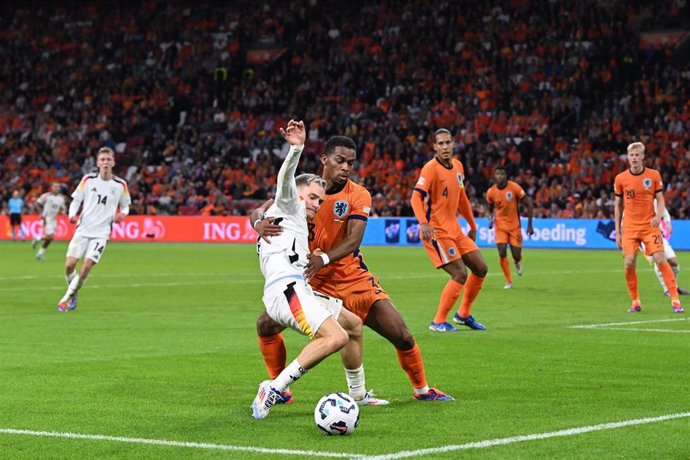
505 266
274 353
669 279
411 362
631 279
448 298
472 288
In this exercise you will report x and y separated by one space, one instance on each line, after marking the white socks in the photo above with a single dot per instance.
355 382
290 374
72 289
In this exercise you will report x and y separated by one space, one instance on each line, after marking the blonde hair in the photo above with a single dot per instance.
107 150
305 179
636 145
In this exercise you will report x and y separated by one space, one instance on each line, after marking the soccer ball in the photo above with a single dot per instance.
336 413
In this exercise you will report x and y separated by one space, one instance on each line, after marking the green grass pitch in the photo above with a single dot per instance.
163 347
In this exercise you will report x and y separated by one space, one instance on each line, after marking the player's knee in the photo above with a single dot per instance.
480 270
629 263
341 339
266 327
459 276
405 340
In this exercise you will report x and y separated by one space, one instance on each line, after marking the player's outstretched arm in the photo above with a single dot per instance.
286 194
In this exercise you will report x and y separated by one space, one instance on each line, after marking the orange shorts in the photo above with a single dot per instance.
512 237
653 242
358 295
443 251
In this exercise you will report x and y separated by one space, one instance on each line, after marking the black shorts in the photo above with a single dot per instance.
15 219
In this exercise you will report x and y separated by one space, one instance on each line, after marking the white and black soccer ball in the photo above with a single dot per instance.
336 413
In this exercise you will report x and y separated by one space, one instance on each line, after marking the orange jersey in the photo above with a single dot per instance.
330 227
440 188
505 202
638 192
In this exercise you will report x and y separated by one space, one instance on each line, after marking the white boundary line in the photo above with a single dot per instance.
528 437
626 323
397 275
194 445
312 453
612 326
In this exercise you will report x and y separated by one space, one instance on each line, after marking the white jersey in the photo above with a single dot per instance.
51 205
101 200
286 257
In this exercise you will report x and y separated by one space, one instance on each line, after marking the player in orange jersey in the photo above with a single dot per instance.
503 198
337 268
436 200
635 190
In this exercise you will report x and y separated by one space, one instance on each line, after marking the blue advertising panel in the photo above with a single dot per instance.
548 233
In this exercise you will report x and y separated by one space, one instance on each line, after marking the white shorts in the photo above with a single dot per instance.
669 253
89 248
49 226
297 306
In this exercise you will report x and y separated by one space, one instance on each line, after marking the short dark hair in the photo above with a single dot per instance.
339 141
501 168
441 131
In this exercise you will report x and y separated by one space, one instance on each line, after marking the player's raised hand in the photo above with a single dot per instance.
426 231
294 133
266 229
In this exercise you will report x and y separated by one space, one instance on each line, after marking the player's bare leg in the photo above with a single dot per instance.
386 321
516 251
46 239
329 338
69 300
352 361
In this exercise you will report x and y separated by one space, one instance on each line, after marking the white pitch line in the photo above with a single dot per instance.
629 329
627 323
128 285
523 438
115 275
193 445
398 275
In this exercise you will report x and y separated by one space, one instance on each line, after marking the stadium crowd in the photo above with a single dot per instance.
552 90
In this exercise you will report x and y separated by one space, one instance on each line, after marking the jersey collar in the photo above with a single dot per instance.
441 163
639 173
337 190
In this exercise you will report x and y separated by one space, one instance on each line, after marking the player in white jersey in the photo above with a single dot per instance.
102 195
50 205
666 229
288 298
